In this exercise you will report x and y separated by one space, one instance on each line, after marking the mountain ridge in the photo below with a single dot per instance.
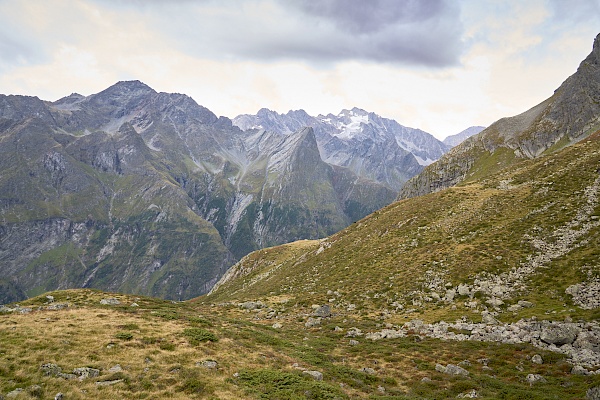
102 177
570 114
373 147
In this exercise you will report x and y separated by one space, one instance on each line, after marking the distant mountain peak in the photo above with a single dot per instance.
455 140
131 85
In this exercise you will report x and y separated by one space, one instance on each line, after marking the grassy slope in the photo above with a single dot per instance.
376 264
457 234
160 348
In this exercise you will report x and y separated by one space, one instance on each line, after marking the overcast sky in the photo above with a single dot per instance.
437 65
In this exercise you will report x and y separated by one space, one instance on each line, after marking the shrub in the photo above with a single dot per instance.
197 335
124 335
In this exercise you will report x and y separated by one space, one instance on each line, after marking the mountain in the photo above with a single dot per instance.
488 290
371 146
137 191
569 115
455 140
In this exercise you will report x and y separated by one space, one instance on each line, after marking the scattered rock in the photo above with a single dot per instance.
277 325
593 393
385 334
51 369
323 311
471 394
312 322
514 308
35 391
579 370
134 305
537 359
86 372
535 378
316 375
116 368
208 364
111 301
487 318
463 289
109 383
50 299
380 389
58 396
354 332
353 342
252 305
14 393
426 379
368 371
57 306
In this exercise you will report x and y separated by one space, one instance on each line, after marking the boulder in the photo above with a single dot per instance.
579 370
451 369
463 290
316 375
471 394
559 334
535 378
252 305
323 311
111 301
537 359
86 372
368 371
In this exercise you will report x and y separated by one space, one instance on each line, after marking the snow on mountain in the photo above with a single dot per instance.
372 146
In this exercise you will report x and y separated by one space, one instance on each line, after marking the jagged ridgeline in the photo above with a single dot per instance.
136 191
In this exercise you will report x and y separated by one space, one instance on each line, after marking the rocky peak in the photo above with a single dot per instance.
596 49
123 92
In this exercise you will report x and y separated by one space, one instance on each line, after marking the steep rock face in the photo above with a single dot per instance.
94 211
372 147
572 113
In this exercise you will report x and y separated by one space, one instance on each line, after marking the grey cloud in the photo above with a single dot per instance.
358 16
416 32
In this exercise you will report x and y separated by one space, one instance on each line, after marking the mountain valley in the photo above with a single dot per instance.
482 279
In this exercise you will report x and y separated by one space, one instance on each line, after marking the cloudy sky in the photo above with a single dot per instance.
437 65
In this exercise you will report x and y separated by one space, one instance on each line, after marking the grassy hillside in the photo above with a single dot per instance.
150 348
539 220
366 313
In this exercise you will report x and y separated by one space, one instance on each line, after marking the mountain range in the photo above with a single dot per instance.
371 146
137 191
